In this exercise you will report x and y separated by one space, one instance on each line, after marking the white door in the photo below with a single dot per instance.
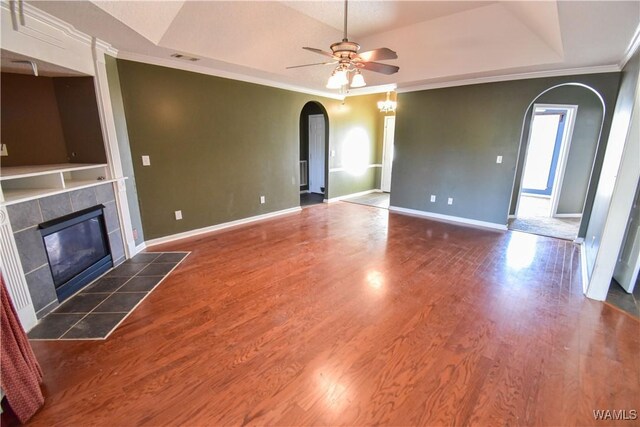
387 152
316 153
626 272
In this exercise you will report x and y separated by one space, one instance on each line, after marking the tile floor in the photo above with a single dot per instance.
95 311
377 200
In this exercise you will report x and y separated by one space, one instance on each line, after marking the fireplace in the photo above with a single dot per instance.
77 249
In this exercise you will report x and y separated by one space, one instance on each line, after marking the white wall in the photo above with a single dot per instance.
615 192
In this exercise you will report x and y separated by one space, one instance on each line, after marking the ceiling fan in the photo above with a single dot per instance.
345 54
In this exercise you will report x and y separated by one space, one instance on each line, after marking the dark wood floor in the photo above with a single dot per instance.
346 314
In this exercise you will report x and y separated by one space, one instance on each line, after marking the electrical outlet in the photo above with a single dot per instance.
135 234
333 153
433 198
146 161
3 150
263 200
450 201
499 159
178 215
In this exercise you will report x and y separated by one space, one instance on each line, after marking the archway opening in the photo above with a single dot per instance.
559 143
314 147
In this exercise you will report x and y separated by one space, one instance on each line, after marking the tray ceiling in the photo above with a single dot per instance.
436 41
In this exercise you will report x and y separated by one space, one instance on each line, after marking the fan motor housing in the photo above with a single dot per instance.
345 48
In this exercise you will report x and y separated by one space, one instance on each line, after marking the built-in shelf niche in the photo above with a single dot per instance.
22 183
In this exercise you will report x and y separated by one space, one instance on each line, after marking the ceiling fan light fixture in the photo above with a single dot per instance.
341 77
333 82
345 54
358 80
387 106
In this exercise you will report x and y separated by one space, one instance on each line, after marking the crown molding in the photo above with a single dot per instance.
58 24
177 64
634 44
369 90
508 77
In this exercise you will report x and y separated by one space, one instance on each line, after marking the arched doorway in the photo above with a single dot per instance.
314 138
559 142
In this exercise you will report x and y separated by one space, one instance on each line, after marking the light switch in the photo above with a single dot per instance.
450 201
178 215
146 161
262 200
433 198
499 159
333 153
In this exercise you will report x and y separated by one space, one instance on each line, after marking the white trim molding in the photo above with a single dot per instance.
449 218
342 169
613 68
139 248
634 44
348 196
584 272
185 66
370 90
569 215
217 227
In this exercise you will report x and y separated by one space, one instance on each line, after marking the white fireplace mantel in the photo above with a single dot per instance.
28 31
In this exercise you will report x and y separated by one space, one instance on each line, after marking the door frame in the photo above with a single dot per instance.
324 153
572 112
384 171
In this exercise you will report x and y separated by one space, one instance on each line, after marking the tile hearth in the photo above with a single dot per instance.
96 311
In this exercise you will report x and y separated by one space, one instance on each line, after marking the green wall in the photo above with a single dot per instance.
447 140
216 145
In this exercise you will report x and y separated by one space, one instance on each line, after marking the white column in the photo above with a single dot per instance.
14 275
111 146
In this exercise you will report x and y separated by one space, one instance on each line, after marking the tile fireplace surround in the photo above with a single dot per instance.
25 217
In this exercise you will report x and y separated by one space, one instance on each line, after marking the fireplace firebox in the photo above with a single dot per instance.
77 247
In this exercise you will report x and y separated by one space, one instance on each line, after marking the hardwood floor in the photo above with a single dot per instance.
346 314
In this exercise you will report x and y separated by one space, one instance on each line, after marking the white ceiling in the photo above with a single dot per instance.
436 41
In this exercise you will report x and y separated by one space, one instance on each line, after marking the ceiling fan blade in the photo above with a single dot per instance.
310 65
380 54
320 51
378 67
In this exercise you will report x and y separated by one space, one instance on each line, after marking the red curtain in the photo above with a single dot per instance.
20 373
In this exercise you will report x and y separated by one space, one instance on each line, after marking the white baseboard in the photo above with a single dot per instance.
141 247
198 231
449 218
583 268
512 216
348 196
573 215
304 191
